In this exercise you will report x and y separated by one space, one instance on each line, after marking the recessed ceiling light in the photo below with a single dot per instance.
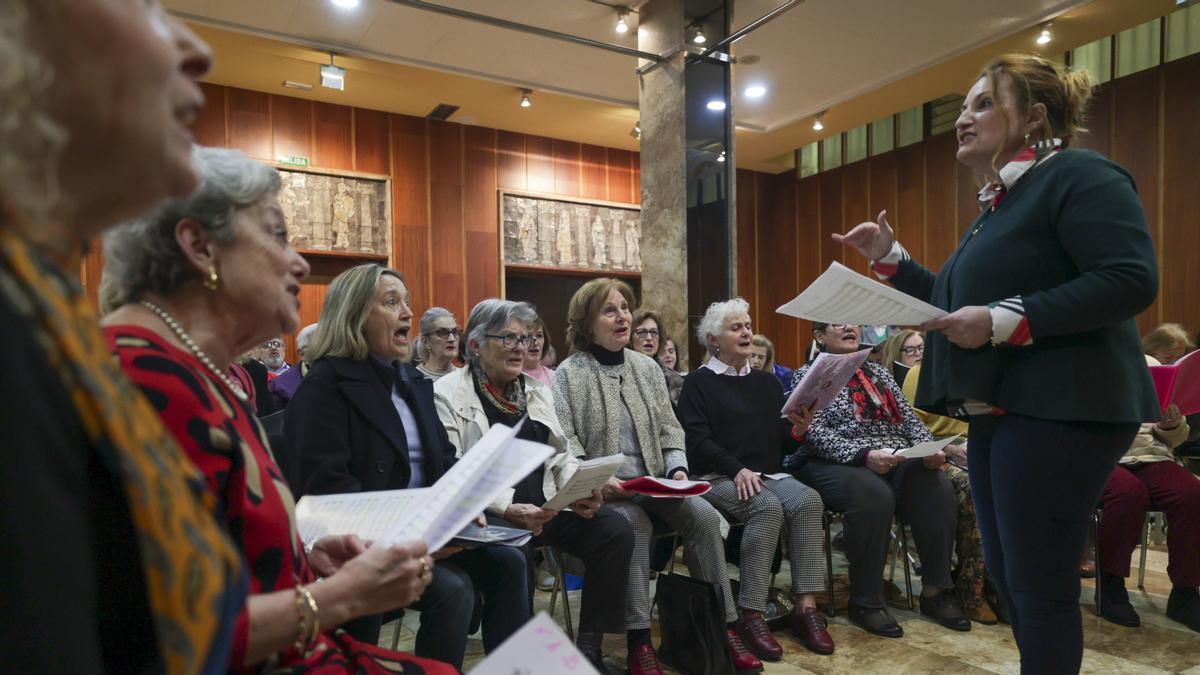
755 91
716 105
345 4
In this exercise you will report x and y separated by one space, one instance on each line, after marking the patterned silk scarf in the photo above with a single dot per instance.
195 579
872 403
511 402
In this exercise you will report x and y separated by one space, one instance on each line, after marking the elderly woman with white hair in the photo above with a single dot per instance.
439 341
202 280
730 415
493 390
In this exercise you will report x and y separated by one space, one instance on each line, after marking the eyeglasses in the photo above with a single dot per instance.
446 333
646 332
274 344
913 351
509 340
839 326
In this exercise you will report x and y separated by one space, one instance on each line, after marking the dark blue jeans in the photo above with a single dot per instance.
1035 483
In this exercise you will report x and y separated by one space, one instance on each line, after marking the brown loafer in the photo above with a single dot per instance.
756 634
810 627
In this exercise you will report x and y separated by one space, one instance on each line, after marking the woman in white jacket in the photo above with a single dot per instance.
493 390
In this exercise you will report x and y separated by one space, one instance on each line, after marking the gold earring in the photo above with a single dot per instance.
211 282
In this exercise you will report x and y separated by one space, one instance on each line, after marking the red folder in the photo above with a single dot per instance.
663 487
1179 383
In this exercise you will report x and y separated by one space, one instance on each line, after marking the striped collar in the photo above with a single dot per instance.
993 193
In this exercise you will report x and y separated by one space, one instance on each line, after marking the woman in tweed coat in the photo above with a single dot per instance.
611 400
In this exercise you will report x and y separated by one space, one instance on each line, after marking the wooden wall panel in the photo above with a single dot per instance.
539 163
333 136
249 123
372 151
568 170
1180 271
594 159
410 205
779 261
480 213
636 177
292 126
883 191
511 171
1099 122
909 217
831 216
209 127
620 177
747 242
1137 107
809 246
855 209
447 243
941 228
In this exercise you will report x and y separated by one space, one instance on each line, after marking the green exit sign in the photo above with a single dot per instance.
291 161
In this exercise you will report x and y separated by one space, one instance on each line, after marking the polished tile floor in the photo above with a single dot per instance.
1158 646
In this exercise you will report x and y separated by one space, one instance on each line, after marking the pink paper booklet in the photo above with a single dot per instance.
1179 383
824 380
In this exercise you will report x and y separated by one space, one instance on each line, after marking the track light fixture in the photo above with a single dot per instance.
698 36
817 125
525 101
1044 36
622 21
333 77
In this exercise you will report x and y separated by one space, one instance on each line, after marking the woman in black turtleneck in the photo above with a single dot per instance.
610 401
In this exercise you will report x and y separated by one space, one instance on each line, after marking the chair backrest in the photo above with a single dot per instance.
273 423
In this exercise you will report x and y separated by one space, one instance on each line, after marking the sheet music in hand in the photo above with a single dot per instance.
1179 383
824 380
591 475
841 295
925 449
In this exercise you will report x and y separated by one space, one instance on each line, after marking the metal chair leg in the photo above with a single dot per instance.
1096 538
560 586
907 573
1145 545
827 522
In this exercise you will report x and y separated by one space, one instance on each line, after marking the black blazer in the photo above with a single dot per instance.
344 435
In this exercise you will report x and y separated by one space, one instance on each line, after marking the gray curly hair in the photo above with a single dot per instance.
715 317
30 141
143 256
490 316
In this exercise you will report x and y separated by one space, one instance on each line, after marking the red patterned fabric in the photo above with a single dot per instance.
223 438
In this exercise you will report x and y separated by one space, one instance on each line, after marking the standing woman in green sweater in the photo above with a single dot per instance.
1039 347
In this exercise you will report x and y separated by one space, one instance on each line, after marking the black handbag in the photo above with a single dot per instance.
692 625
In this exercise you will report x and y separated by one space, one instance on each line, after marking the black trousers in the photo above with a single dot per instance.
925 501
604 543
1035 483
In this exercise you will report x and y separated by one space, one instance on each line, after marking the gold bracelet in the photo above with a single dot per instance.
308 631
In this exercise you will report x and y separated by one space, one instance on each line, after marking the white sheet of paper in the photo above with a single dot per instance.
841 295
776 476
925 449
824 380
591 475
370 515
539 648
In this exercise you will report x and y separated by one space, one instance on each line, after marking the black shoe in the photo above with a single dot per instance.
1114 602
943 608
876 621
1183 605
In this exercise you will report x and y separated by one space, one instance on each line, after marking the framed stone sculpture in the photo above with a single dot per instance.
570 234
336 213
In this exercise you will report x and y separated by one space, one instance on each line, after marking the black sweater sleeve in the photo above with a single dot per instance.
705 453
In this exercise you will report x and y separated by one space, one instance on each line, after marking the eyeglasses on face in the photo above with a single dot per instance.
913 351
274 344
646 332
509 340
839 326
446 333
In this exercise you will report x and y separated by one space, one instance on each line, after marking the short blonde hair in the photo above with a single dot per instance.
1166 336
347 306
586 304
763 341
894 347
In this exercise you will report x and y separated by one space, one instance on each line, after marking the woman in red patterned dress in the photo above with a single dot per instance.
202 280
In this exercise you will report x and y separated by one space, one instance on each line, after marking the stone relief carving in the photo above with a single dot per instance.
556 233
336 213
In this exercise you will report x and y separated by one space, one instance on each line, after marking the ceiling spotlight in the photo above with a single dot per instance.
721 157
699 38
716 105
817 126
636 131
622 24
333 77
755 91
346 4
1044 37
525 102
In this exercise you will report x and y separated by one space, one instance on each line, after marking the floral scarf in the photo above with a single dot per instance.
872 403
510 402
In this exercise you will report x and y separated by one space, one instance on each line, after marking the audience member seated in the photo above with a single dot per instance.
265 402
901 352
1149 478
730 417
493 390
272 351
762 357
848 458
648 332
970 575
669 356
613 401
204 279
363 420
535 350
1167 344
551 357
284 386
438 342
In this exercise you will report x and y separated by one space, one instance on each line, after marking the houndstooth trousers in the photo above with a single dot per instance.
699 528
785 502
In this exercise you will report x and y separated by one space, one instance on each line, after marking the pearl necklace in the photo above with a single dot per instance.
195 349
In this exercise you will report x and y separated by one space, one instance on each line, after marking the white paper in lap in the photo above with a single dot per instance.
370 515
841 295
